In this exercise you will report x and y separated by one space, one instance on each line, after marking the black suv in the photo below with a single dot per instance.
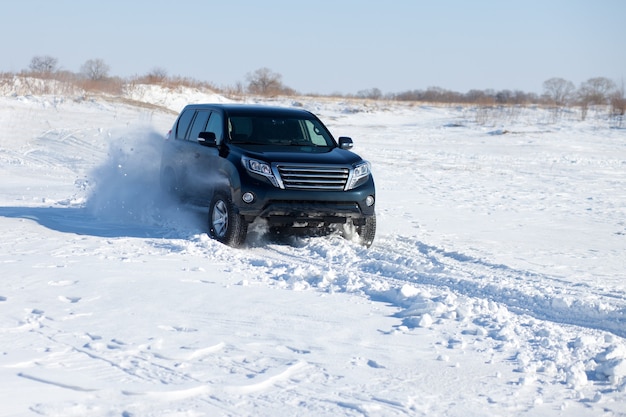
279 164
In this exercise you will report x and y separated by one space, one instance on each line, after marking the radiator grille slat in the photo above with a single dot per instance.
302 177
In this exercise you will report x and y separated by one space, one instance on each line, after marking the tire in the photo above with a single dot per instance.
225 224
367 231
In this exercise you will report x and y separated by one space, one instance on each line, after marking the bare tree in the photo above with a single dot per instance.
559 91
373 93
95 69
618 104
157 75
595 91
503 96
43 64
265 82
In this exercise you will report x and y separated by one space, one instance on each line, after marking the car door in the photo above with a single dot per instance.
175 154
205 160
190 170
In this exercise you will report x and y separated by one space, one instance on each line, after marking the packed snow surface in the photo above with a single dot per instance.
496 284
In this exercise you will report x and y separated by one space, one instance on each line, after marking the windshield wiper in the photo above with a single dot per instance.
246 142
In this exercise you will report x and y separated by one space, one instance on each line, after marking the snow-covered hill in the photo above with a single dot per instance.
495 286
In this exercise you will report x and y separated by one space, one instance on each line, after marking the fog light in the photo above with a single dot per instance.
369 201
247 198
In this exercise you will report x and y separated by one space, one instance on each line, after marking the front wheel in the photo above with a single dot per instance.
363 233
367 231
225 224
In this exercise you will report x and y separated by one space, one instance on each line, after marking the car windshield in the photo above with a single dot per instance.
281 131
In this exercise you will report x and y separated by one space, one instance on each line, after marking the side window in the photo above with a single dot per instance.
183 124
216 125
199 124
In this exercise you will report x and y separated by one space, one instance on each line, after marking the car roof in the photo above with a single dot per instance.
252 110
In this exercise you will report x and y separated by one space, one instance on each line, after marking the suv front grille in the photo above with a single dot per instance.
304 177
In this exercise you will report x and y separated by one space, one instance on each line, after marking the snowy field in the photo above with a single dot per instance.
496 285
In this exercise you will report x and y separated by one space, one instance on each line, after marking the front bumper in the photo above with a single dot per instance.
281 206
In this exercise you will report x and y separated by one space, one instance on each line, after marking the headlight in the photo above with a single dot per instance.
359 175
260 168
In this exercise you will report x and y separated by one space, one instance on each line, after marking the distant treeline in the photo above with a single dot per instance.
557 92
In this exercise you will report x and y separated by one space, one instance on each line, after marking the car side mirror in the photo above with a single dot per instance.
345 143
207 139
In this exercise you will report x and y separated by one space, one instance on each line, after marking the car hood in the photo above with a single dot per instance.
306 155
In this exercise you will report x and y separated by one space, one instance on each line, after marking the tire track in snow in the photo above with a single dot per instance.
176 374
71 148
507 311
396 261
520 291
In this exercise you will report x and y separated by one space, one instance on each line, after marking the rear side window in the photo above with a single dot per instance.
183 124
199 124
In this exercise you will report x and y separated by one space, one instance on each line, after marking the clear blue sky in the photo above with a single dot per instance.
329 46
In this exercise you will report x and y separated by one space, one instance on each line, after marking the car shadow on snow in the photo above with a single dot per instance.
79 221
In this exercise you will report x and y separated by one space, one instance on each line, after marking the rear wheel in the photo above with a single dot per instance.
225 224
168 182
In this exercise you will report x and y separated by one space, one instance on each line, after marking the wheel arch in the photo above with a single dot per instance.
169 180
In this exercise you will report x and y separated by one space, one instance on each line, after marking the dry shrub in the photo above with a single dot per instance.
113 86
